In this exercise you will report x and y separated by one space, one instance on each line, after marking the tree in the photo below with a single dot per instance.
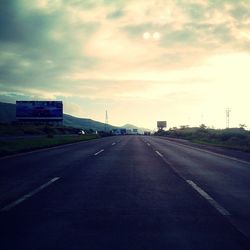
203 126
242 126
184 126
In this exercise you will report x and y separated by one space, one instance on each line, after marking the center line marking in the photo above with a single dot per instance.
113 143
29 195
97 153
205 195
157 152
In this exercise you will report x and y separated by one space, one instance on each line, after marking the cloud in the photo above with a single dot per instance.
93 51
36 49
116 14
241 11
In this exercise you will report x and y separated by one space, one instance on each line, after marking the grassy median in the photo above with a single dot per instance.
25 145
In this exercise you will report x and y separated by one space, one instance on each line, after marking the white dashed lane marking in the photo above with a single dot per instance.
157 152
205 195
29 195
97 153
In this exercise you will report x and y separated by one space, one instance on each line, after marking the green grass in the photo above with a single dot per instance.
16 129
25 145
244 148
233 138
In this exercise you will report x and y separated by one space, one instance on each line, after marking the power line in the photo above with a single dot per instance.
227 117
106 121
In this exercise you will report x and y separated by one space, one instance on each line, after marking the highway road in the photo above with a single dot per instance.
125 192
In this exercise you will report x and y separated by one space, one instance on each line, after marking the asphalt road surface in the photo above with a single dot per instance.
127 192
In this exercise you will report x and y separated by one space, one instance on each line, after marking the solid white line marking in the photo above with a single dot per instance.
205 195
113 143
157 152
97 153
27 196
44 149
211 152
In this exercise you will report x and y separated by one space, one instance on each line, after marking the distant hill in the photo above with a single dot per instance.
84 123
8 114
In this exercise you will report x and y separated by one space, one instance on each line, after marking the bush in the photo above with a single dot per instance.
233 138
50 135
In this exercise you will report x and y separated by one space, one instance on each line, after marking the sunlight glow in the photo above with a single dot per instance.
156 36
146 36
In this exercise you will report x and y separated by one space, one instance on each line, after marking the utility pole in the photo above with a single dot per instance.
227 117
106 121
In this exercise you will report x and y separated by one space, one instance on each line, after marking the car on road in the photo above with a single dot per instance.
81 132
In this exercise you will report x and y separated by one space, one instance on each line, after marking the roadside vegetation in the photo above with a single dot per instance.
19 129
234 138
17 138
28 144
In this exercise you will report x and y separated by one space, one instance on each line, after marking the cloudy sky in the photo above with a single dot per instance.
142 60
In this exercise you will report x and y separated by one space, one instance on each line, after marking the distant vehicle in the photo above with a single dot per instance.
119 131
123 131
81 132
